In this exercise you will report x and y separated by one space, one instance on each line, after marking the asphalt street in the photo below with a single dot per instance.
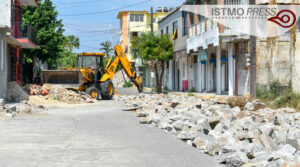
92 135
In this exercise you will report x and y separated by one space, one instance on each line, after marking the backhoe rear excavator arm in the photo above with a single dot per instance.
111 67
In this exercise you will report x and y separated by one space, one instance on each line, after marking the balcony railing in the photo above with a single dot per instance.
21 31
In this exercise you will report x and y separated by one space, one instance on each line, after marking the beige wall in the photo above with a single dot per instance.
276 60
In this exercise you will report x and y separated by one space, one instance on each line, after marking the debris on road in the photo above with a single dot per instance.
234 130
12 109
47 94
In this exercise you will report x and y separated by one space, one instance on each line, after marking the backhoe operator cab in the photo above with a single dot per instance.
92 69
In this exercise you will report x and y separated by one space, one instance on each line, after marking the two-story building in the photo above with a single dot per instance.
17 37
221 53
132 24
175 24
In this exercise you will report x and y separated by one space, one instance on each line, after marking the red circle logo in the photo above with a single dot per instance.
285 18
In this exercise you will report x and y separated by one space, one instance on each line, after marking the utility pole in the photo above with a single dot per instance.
253 58
152 63
151 22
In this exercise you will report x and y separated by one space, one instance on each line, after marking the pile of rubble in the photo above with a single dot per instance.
60 94
232 129
12 109
118 79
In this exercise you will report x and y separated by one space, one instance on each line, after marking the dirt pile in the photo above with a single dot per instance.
56 95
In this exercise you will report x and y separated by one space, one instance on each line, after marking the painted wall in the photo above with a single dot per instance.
3 65
180 42
5 12
274 61
296 69
124 32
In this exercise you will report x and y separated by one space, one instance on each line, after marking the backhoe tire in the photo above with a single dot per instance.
93 92
107 90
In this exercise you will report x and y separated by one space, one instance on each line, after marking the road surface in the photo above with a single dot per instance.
92 135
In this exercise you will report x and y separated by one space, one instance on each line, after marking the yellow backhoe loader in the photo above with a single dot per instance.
91 76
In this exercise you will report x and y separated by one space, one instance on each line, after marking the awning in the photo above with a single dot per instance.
12 41
203 40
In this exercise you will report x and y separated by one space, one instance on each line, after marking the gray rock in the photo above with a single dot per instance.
178 125
249 106
286 152
145 120
236 159
268 143
294 142
204 125
263 156
186 135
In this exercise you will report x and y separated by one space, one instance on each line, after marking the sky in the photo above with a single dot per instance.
94 21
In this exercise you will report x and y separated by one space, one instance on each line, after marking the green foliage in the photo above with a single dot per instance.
49 33
281 97
275 89
191 94
127 84
106 48
152 47
68 58
288 99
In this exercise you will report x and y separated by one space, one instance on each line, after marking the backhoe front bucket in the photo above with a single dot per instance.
63 77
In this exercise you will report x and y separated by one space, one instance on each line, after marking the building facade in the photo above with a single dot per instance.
278 59
219 54
3 61
17 37
176 73
132 24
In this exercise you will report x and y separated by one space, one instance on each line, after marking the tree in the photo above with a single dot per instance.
69 59
49 33
106 48
155 48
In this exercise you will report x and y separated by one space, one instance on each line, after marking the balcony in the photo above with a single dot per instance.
29 2
24 34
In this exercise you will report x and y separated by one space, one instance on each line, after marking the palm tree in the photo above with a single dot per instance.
72 42
106 48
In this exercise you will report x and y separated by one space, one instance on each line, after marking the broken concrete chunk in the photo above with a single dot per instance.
145 120
234 159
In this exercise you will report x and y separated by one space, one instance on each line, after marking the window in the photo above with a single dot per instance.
175 26
192 18
195 59
136 17
2 54
175 29
184 24
161 31
135 34
167 30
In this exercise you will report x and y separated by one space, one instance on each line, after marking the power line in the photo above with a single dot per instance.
72 3
84 14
